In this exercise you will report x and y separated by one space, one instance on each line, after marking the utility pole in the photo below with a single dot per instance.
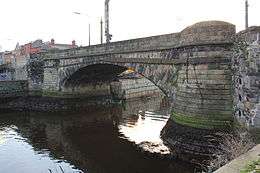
107 34
246 15
101 31
89 34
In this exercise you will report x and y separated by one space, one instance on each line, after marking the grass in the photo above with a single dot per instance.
251 167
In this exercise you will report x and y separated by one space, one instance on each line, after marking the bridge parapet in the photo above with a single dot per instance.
135 45
213 32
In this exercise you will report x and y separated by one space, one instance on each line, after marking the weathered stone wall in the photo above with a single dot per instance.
84 90
134 88
246 64
20 73
203 95
35 75
6 76
207 33
13 89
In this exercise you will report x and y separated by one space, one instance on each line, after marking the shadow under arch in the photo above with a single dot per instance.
96 73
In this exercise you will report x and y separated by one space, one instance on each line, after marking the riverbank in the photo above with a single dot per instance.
52 104
49 104
240 164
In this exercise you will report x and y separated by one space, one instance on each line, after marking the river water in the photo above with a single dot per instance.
112 139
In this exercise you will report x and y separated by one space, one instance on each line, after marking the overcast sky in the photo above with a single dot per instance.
27 20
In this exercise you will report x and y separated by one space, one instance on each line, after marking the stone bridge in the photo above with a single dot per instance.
193 67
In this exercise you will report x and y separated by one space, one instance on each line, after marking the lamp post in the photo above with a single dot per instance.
89 28
101 31
89 33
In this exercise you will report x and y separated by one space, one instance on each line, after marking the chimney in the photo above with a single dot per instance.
52 41
73 43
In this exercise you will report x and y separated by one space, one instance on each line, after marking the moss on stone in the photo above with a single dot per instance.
52 94
35 93
251 167
202 122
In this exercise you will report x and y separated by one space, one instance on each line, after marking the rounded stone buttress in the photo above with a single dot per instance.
203 96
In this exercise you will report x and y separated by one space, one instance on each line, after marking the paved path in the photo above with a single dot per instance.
239 163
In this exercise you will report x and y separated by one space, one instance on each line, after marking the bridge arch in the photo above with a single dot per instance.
162 76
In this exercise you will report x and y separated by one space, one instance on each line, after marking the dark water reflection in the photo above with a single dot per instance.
100 140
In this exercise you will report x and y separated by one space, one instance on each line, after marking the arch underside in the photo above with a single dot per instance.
163 76
94 74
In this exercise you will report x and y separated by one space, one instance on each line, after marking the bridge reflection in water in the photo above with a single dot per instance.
100 140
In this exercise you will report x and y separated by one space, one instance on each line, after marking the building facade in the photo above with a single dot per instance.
17 59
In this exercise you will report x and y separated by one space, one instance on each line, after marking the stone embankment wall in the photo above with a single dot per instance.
128 88
124 88
13 89
246 64
84 90
52 104
20 73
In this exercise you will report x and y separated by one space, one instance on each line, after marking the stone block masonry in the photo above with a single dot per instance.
11 89
134 88
246 64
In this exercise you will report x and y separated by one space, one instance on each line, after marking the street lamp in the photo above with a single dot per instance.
78 13
89 35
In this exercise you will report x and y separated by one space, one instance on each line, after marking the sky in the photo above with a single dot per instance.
27 20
